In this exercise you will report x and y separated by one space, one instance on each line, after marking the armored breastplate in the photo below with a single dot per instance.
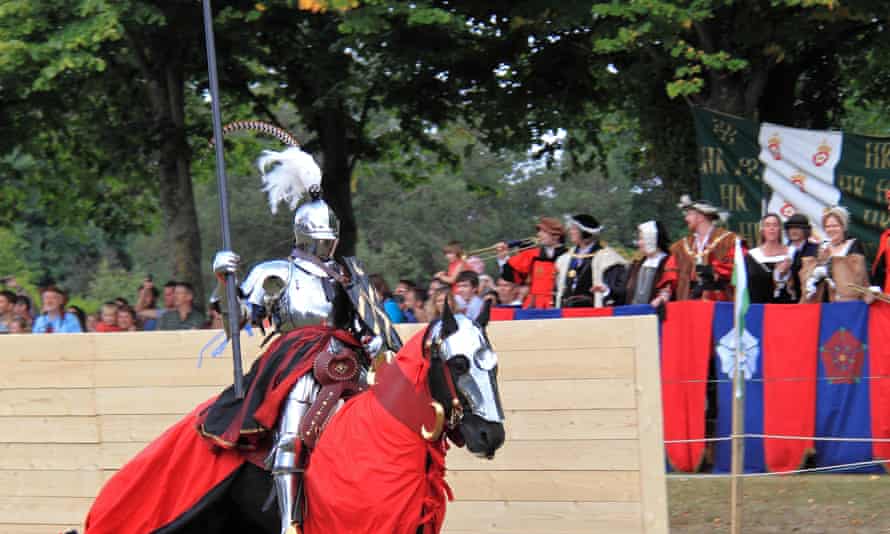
293 293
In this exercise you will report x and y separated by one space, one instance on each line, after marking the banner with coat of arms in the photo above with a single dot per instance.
750 169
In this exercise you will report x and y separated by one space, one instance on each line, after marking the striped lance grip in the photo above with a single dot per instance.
260 127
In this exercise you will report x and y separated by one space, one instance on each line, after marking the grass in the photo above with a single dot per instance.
811 504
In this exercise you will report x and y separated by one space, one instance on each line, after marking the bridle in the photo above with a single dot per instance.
433 349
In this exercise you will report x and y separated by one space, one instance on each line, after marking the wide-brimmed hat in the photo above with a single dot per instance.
702 206
551 225
798 220
585 223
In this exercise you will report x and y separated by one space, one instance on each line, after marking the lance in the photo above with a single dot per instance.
234 315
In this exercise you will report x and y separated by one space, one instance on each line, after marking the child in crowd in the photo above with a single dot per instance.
467 300
454 253
22 308
109 318
126 319
19 325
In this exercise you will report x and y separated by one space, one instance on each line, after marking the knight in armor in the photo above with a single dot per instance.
589 274
535 267
700 265
323 345
839 263
646 283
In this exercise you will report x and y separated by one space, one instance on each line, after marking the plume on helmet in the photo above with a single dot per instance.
288 175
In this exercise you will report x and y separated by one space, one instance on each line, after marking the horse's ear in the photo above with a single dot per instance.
484 314
449 323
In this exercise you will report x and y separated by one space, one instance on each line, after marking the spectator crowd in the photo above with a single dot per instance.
173 308
787 266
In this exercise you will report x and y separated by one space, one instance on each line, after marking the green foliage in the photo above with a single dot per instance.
427 110
110 283
12 263
494 196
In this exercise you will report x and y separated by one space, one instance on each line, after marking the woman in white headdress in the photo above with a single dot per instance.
645 284
840 264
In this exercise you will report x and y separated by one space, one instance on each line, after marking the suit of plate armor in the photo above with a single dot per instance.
305 289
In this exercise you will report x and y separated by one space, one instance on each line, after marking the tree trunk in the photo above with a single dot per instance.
777 100
177 196
161 61
337 173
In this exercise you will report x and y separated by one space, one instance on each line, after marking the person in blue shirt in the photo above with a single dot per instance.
389 304
54 318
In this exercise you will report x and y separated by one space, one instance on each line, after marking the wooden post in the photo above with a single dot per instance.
738 443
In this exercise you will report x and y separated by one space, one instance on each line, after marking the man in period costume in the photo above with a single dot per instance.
700 266
646 283
589 274
536 266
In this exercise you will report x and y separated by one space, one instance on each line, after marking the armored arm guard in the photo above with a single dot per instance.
226 262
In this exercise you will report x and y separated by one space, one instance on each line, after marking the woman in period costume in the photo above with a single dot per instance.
839 264
800 245
770 277
645 284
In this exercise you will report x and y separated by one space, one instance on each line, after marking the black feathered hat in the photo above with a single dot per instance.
588 224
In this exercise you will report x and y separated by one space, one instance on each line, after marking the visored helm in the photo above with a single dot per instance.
316 228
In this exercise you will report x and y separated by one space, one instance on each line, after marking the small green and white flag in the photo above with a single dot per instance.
740 282
742 302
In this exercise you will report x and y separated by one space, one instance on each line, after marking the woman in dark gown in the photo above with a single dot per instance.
769 266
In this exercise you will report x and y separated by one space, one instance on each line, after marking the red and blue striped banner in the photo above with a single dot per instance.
811 371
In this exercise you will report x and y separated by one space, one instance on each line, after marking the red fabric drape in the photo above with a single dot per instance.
790 348
587 312
883 256
148 492
686 351
502 314
879 366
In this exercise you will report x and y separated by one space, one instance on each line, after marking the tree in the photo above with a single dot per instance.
77 76
778 61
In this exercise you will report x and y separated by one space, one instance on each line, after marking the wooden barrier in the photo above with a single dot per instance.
582 397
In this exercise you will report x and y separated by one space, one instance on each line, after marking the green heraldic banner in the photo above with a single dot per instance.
750 168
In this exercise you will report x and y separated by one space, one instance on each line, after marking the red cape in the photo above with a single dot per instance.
148 492
368 472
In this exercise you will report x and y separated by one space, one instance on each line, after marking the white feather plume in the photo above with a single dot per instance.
288 175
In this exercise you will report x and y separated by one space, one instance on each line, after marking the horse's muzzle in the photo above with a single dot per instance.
483 438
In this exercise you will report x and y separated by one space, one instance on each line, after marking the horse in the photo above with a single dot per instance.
379 464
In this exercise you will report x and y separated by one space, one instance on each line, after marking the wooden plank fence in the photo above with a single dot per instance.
583 454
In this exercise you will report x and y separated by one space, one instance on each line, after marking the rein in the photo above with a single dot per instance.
418 410
456 407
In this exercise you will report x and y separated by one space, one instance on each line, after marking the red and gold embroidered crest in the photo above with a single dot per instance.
843 356
799 179
774 145
823 152
787 210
